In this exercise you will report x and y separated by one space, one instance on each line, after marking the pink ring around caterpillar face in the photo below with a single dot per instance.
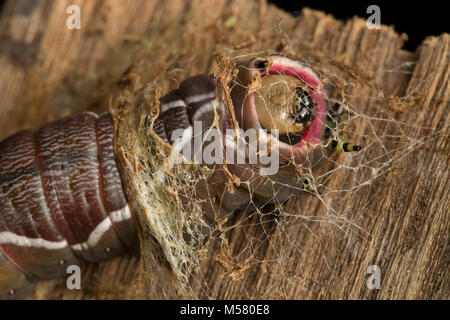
310 146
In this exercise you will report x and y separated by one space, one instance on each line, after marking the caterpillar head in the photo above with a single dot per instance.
278 93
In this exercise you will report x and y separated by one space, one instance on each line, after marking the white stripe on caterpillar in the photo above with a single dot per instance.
173 104
95 236
201 97
207 107
7 237
120 215
123 214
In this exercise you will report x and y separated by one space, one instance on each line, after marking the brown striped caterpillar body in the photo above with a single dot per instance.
61 199
61 195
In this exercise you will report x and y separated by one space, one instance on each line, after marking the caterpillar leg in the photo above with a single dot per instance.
309 184
339 145
343 146
337 110
333 117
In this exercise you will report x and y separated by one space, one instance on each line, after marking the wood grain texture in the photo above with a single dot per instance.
403 218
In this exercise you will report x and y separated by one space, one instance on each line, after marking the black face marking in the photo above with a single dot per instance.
336 107
327 133
290 138
334 144
261 64
305 107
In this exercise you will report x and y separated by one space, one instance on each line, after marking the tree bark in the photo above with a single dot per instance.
398 222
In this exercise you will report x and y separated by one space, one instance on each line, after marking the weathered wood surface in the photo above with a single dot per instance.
49 71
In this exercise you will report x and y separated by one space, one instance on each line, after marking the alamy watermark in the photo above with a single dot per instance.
73 281
374 280
211 146
74 20
374 20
